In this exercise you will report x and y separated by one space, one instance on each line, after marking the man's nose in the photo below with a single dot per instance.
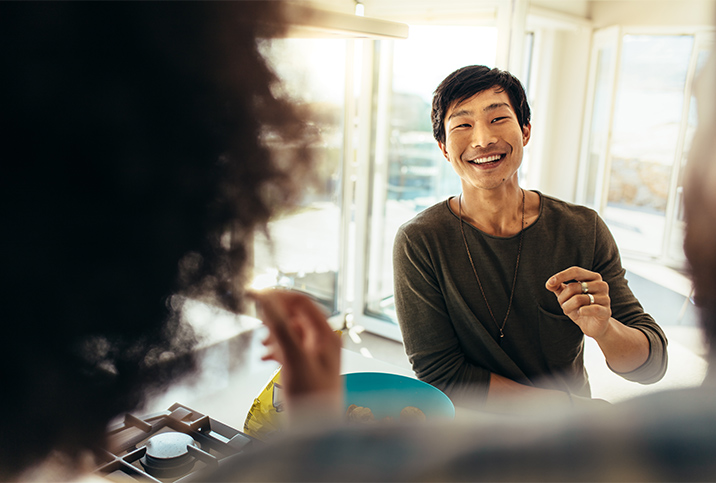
482 136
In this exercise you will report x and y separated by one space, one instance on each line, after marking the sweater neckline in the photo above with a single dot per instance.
539 217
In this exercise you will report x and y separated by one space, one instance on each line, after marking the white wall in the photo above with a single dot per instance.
653 12
561 64
577 8
343 6
437 12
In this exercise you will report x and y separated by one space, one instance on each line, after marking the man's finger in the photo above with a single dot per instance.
310 312
571 274
276 319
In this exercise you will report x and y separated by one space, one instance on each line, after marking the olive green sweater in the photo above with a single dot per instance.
449 336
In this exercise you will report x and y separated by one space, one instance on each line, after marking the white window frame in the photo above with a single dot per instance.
609 37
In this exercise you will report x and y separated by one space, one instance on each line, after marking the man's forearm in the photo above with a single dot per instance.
506 395
624 348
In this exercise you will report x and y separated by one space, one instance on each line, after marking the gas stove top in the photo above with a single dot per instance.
176 445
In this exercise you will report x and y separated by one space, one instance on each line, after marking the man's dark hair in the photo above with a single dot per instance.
136 166
468 81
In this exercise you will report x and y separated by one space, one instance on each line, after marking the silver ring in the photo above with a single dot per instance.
585 287
591 298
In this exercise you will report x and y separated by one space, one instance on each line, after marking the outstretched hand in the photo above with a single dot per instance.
302 341
585 299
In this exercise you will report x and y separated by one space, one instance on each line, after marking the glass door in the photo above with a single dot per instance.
638 128
646 131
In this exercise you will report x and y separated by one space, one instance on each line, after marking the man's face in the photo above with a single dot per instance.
484 140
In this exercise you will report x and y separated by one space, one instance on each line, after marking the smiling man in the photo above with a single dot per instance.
496 288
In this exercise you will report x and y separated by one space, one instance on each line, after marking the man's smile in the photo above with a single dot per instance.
492 158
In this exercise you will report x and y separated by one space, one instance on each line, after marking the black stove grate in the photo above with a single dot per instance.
126 458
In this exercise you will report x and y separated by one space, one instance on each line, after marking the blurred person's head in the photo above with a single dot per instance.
136 166
468 81
700 203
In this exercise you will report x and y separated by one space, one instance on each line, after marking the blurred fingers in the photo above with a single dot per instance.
294 320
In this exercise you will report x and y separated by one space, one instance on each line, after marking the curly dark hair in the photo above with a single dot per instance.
469 81
143 144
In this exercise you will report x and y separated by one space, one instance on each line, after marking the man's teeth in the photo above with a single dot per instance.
487 159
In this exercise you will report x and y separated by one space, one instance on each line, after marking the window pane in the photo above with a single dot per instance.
304 252
409 171
647 117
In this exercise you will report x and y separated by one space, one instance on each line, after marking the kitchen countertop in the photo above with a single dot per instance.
232 374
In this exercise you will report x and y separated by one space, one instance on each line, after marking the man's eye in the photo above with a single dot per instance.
497 119
463 125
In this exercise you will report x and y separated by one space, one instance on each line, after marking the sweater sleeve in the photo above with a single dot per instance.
627 309
430 340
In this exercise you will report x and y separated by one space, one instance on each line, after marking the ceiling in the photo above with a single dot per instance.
599 12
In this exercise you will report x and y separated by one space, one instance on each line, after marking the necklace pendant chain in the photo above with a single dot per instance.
517 265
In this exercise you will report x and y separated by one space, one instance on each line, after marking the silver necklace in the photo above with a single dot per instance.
517 264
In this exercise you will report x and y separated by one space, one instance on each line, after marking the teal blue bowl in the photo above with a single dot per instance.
387 394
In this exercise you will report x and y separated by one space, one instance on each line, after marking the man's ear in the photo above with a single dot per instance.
526 133
444 151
